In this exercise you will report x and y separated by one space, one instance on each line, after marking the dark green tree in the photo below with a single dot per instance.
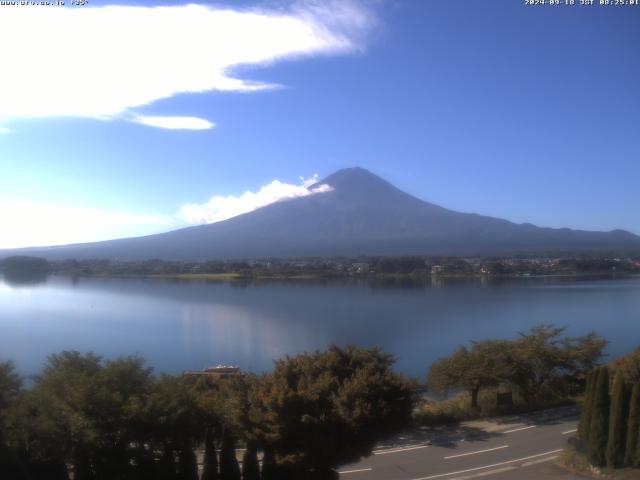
120 387
599 429
348 395
618 419
541 357
187 464
633 427
636 459
173 416
480 367
587 408
166 468
583 354
250 465
540 364
212 409
67 393
229 468
24 270
10 387
629 366
240 401
210 467
269 469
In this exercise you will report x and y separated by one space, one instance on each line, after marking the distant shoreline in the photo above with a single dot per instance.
235 276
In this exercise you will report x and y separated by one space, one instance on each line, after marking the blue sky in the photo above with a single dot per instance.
529 113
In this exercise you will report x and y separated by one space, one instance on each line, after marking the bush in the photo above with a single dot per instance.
445 411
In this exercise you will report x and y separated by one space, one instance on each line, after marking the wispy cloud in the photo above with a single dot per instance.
4 130
30 224
220 208
174 123
101 62
26 224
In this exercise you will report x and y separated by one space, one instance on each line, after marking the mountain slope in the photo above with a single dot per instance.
363 214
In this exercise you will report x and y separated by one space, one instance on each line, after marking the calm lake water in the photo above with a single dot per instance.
181 325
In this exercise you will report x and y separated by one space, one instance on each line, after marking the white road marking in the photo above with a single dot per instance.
489 466
485 474
476 452
570 431
494 472
395 450
344 472
518 429
541 460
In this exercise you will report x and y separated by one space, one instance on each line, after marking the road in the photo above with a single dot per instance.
520 451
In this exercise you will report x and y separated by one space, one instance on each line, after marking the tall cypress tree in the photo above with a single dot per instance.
250 465
187 463
636 459
229 468
633 427
617 422
585 418
599 428
210 467
269 469
166 467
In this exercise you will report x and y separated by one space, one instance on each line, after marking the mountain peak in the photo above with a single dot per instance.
359 183
350 176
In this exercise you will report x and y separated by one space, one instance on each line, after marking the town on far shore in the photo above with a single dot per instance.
416 266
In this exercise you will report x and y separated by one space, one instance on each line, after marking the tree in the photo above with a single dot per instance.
269 469
629 366
636 459
23 269
187 464
536 358
633 428
120 387
599 429
617 422
82 411
587 408
229 468
174 419
10 387
212 407
539 364
210 467
250 465
242 412
481 367
66 392
583 354
329 408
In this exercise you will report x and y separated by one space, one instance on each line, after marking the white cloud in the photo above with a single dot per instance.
4 130
220 208
101 62
32 224
27 224
174 123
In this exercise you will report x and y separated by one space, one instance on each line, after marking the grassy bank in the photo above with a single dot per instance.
458 409
576 462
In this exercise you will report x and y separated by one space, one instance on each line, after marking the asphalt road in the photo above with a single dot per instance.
514 451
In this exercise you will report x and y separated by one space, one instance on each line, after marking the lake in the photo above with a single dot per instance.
188 325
